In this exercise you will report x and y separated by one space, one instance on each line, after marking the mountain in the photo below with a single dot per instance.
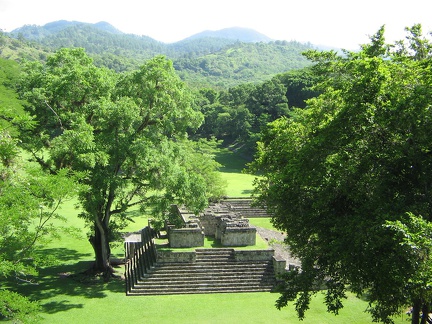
240 34
220 59
35 32
102 38
242 62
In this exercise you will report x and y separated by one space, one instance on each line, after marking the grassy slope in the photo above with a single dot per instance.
239 184
71 299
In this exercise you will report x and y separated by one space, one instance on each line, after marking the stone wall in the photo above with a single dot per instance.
185 237
217 221
253 255
279 266
208 224
232 230
239 255
238 236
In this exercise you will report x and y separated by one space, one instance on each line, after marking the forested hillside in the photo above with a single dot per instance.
217 59
19 49
242 62
238 88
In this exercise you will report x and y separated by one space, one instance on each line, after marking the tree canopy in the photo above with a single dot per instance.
349 178
239 113
126 135
29 203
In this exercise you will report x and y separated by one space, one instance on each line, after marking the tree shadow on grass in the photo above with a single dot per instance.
59 306
213 242
67 278
247 192
230 162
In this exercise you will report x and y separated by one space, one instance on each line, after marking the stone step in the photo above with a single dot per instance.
214 260
165 282
213 264
200 290
202 276
197 278
200 286
215 250
207 253
212 268
192 275
208 274
214 271
219 283
165 276
204 286
204 257
217 264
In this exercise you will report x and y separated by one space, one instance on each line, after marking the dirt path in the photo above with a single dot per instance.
275 240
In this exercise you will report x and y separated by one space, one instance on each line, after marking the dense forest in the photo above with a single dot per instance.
239 86
218 60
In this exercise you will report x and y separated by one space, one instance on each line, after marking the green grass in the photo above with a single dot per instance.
231 162
264 222
108 306
67 297
239 184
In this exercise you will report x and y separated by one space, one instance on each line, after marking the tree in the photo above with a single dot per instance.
298 84
338 172
29 204
126 133
414 233
268 102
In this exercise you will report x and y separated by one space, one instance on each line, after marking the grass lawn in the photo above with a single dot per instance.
262 222
239 184
96 305
67 297
235 182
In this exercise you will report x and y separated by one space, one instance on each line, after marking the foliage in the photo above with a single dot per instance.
414 234
29 203
242 62
20 49
355 159
18 308
216 62
127 133
299 85
239 113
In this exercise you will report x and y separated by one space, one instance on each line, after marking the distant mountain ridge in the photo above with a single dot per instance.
241 34
221 59
35 32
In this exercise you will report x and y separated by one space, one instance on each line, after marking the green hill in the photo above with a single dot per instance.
218 59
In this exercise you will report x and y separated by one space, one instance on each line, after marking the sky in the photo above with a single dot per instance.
337 23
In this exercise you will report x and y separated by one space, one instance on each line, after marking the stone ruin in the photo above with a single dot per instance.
218 221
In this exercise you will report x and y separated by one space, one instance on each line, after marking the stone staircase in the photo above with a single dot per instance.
244 208
214 271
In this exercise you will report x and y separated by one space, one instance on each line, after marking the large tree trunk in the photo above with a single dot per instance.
100 244
425 314
415 315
